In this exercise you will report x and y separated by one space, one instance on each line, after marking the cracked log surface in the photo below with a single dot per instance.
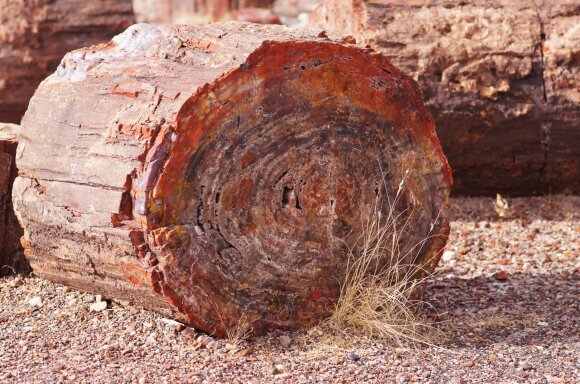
218 173
200 11
36 34
499 77
11 256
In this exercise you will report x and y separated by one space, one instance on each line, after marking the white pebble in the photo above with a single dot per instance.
36 301
448 256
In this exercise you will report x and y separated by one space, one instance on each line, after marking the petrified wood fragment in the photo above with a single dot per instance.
11 255
220 173
36 34
500 78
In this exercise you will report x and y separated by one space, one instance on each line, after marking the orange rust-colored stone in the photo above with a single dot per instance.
256 156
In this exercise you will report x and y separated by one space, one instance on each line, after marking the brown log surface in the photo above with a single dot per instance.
218 173
501 79
36 34
11 255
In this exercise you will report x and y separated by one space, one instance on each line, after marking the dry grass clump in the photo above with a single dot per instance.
238 332
376 298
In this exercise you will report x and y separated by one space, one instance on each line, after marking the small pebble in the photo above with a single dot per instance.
88 298
448 256
36 301
285 341
500 276
98 307
353 356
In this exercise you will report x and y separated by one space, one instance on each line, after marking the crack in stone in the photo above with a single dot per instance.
545 126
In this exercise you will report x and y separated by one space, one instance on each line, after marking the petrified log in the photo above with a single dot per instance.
295 12
220 173
36 34
500 78
196 11
256 15
11 255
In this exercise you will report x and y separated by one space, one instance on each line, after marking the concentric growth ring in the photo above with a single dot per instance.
271 176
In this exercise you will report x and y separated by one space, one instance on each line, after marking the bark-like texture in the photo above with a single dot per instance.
198 11
11 255
500 78
36 34
219 173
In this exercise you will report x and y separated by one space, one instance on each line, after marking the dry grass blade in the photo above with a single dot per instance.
239 332
376 299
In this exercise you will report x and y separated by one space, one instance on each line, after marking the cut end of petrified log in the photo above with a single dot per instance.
261 153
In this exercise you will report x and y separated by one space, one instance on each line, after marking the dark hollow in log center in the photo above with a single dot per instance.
275 196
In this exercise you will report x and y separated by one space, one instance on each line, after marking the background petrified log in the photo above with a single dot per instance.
11 255
199 11
500 78
36 34
295 12
218 173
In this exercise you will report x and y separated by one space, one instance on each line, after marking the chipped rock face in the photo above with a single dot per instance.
499 77
220 174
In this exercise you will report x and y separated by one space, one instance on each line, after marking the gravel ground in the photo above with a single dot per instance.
506 299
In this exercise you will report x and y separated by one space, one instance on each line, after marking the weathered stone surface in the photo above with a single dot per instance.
218 174
35 35
11 255
500 78
199 11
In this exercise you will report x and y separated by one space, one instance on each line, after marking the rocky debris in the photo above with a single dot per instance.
175 325
285 341
36 301
522 330
448 256
98 306
501 276
353 356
